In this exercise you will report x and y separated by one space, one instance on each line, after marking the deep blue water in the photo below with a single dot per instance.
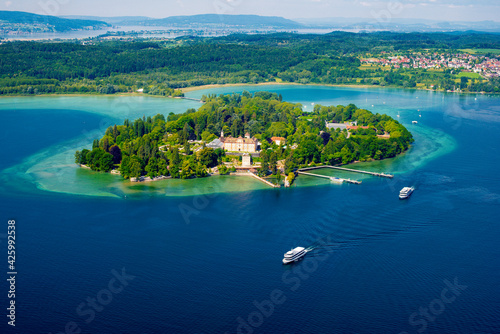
381 261
27 131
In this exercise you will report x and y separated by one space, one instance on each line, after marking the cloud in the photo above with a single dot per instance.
8 3
365 4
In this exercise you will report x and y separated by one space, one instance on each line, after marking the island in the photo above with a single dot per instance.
257 133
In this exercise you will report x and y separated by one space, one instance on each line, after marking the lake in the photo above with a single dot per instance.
97 254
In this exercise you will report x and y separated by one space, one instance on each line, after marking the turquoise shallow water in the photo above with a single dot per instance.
206 254
51 168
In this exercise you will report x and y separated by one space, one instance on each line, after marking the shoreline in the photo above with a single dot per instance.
195 88
89 95
211 86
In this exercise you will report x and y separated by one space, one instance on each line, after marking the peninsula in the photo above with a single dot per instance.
257 133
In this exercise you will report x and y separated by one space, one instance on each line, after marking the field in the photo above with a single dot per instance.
374 67
481 51
469 75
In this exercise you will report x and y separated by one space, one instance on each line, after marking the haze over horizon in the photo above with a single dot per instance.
441 10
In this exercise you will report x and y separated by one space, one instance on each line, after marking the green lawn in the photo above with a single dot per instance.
470 75
365 67
481 51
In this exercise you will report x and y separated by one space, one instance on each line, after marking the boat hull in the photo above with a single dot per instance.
285 261
294 255
405 194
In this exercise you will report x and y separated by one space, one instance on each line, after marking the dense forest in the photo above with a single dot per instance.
162 67
157 145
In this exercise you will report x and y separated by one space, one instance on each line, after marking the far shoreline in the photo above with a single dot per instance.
212 86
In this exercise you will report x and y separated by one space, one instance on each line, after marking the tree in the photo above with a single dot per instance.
174 170
188 169
463 82
207 157
116 153
152 167
273 163
278 176
115 132
83 156
308 151
187 148
207 136
264 167
223 170
289 163
175 157
162 167
78 157
105 162
201 170
278 129
135 169
125 167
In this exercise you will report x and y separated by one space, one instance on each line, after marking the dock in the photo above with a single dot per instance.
350 170
331 178
257 177
190 98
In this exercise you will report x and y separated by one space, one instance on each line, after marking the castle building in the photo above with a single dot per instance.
239 144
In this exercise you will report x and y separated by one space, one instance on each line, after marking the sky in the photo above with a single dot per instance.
442 10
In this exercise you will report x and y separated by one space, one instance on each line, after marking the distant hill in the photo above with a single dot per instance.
403 25
228 20
121 20
244 21
22 21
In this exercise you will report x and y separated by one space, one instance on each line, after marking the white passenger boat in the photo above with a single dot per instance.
294 255
406 192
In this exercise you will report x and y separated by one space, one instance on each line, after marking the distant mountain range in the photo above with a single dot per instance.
22 21
399 25
335 23
26 22
241 21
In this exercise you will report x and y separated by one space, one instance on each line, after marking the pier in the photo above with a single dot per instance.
349 170
190 98
331 178
257 177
